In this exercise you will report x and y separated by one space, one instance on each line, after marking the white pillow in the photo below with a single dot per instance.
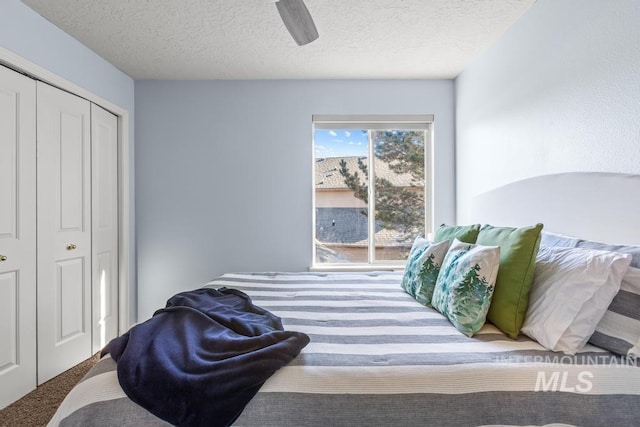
572 289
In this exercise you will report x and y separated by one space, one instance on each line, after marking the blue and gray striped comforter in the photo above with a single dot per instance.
378 358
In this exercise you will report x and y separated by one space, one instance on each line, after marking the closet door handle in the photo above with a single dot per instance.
71 247
3 258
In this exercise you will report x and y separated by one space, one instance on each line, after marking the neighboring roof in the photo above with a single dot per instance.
384 238
349 227
327 173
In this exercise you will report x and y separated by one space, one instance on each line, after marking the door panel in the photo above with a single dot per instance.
69 299
9 320
71 173
9 160
64 231
104 172
17 235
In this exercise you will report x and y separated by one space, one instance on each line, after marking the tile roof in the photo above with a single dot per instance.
327 173
348 227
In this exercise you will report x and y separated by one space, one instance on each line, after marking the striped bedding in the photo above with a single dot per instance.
379 358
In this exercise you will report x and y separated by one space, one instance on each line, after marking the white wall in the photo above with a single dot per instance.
559 92
32 37
223 171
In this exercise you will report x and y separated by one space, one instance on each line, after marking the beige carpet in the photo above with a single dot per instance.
37 407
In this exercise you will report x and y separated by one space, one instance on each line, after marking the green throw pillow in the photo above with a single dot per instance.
421 271
518 250
465 285
464 233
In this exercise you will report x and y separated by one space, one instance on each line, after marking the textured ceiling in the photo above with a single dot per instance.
245 39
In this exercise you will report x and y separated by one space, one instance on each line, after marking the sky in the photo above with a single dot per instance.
340 143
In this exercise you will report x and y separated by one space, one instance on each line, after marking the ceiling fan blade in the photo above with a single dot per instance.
297 19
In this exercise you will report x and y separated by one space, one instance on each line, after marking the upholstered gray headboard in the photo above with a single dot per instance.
596 206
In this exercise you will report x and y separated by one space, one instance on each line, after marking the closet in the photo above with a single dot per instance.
58 231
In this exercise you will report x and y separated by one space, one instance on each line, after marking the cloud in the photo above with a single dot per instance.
321 151
347 133
332 133
350 142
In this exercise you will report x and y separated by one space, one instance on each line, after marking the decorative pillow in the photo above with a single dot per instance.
571 291
428 274
518 250
464 233
422 269
465 285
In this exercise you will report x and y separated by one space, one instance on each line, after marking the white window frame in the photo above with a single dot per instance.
375 122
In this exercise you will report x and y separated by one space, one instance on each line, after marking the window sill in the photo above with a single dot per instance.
356 268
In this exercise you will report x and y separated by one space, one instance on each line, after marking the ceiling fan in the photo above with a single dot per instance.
297 19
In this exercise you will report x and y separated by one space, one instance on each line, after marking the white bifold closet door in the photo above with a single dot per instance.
17 235
104 195
64 230
58 232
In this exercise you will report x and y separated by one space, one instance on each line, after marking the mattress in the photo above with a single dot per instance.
377 357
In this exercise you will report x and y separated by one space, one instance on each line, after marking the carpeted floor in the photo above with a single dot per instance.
37 407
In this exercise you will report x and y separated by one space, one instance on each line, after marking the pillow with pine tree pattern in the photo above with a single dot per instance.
465 285
422 269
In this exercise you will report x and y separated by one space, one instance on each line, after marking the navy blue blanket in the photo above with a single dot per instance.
202 358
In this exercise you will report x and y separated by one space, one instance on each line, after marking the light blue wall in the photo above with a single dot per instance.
32 37
223 171
559 92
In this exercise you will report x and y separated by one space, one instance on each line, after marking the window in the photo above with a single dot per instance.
370 167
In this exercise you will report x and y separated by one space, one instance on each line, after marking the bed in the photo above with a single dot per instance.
377 357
